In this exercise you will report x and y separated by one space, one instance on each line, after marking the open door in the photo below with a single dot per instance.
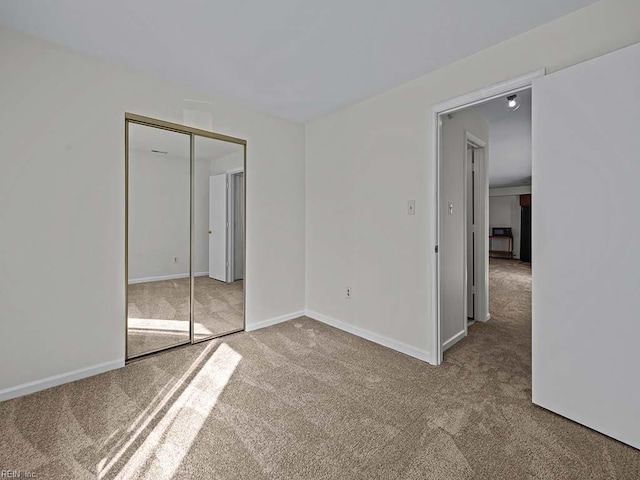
471 245
218 227
585 226
457 132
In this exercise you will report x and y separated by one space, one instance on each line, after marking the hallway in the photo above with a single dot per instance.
505 341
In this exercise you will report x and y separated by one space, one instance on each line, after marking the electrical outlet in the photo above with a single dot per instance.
348 293
175 259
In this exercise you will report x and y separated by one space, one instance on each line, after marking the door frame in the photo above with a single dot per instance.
480 304
522 82
193 132
231 234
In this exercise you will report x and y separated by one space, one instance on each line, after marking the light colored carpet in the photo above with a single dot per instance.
302 400
159 312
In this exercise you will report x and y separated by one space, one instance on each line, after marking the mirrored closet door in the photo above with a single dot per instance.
218 215
185 247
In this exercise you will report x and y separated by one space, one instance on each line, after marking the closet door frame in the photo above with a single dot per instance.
193 133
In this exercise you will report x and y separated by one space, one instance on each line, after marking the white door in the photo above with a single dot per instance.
218 227
585 226
452 222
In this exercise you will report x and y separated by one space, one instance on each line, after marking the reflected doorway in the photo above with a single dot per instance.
185 229
218 302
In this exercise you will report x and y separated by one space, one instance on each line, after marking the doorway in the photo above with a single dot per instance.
226 226
462 241
171 297
474 155
488 218
236 232
572 301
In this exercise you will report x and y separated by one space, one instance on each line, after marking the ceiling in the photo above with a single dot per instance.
509 141
144 139
496 110
295 59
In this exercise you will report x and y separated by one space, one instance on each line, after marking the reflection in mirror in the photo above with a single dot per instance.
218 215
158 293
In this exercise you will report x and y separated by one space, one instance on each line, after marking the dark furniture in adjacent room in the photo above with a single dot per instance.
501 242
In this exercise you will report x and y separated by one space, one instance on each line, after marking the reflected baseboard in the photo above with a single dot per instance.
166 277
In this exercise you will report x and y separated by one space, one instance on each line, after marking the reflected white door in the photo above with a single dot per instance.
585 227
218 227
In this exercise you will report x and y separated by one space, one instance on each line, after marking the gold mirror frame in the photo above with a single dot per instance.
193 133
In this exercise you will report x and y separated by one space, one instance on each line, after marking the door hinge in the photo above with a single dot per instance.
436 248
227 184
227 224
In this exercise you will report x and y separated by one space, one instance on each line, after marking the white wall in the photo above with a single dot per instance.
159 214
226 163
157 218
62 205
202 169
365 161
454 241
504 211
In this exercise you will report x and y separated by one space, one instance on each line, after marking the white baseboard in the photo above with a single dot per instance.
55 380
274 321
166 277
453 340
402 347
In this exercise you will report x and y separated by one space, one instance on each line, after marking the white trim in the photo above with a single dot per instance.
476 141
273 321
465 198
488 317
401 347
453 340
231 217
481 253
166 277
482 230
55 380
463 101
479 96
510 191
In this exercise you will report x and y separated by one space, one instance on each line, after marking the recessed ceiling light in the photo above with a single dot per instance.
513 103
